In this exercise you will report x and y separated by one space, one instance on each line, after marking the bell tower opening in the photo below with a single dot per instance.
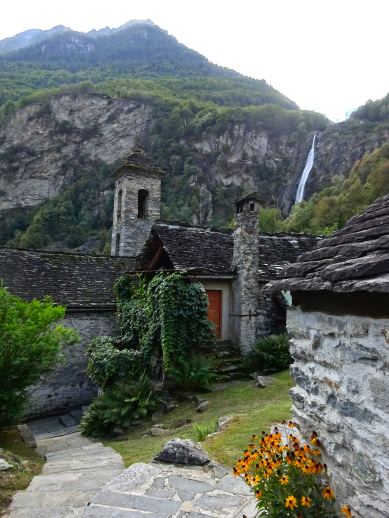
119 205
117 244
143 197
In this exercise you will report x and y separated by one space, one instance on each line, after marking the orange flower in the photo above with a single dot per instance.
328 493
284 480
290 502
345 509
258 494
306 501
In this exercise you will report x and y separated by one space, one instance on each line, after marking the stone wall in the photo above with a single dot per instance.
341 370
68 387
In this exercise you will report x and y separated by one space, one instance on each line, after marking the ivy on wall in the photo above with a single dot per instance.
161 322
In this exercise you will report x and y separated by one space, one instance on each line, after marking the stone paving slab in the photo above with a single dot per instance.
82 478
76 469
164 490
64 512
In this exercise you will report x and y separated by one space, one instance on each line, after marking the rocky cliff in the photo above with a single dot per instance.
45 147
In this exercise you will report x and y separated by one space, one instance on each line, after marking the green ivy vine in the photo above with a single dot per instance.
161 321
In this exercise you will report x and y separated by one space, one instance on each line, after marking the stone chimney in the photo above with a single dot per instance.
137 203
246 264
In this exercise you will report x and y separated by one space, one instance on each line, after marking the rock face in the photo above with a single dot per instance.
342 392
45 146
182 451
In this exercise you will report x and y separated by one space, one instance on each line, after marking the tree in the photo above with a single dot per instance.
270 220
30 345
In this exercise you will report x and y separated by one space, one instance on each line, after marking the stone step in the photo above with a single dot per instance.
56 444
39 512
86 464
70 480
75 452
51 499
101 511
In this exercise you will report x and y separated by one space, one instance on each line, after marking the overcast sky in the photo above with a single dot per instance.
327 55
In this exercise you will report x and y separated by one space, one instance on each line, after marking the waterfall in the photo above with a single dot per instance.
305 173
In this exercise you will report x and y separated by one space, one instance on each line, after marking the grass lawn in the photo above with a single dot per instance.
255 410
26 464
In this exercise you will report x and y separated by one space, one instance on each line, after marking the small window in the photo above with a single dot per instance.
143 197
119 206
117 244
252 206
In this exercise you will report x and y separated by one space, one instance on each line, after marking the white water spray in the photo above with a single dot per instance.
305 173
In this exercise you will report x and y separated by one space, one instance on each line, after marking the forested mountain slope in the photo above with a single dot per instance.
217 133
137 49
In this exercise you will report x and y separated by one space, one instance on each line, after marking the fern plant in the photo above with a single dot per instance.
118 407
191 374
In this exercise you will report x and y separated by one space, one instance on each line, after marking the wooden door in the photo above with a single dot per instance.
215 310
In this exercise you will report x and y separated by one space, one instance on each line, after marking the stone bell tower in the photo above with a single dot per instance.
246 265
137 203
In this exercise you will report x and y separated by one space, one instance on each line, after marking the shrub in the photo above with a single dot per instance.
108 364
287 476
270 354
202 430
30 345
118 407
191 374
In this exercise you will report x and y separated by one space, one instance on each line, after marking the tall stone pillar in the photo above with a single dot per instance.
246 263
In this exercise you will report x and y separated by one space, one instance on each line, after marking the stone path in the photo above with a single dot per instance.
159 490
75 470
82 478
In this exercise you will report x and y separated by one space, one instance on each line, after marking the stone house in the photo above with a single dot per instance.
234 267
83 283
339 328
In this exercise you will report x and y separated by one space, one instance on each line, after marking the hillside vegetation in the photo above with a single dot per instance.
136 50
206 131
329 209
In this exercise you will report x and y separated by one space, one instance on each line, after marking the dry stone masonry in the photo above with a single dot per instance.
339 327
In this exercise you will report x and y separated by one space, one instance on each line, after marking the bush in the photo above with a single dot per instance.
202 430
30 345
191 374
107 364
270 354
118 407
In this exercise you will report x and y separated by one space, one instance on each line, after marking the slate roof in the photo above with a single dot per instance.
207 250
355 258
276 251
210 251
75 280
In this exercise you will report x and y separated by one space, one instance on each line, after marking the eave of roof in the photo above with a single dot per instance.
353 259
